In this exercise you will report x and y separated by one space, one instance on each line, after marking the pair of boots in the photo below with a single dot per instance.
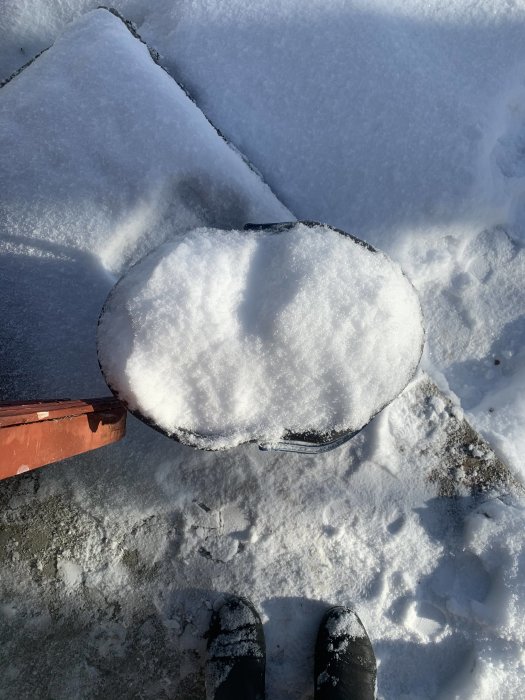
345 665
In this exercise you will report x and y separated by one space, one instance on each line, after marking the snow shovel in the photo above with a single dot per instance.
36 433
300 441
33 434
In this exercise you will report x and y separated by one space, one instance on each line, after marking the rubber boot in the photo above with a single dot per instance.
236 652
345 664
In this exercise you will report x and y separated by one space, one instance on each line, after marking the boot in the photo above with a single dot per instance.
236 652
345 664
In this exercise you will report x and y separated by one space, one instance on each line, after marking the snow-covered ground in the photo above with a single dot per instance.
402 123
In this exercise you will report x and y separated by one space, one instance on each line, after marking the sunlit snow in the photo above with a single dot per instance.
402 123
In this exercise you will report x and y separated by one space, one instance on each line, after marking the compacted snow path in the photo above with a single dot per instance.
111 561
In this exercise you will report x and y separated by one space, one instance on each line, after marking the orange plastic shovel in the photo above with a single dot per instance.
36 433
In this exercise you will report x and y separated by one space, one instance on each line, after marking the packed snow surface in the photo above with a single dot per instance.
239 335
402 121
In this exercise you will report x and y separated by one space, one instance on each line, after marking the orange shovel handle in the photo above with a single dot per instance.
35 433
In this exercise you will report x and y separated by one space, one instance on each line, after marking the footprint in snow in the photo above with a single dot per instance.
218 534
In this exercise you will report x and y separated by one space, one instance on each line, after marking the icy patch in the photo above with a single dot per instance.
222 337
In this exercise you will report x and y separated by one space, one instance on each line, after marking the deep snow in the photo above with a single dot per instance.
401 124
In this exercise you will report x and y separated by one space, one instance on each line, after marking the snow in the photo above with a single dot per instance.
401 123
345 624
413 116
223 337
110 161
405 108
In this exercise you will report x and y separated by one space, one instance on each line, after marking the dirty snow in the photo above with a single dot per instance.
222 337
402 124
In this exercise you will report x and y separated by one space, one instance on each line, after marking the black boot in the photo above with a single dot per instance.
236 652
345 664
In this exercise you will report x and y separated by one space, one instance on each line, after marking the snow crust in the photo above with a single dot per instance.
408 130
241 335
